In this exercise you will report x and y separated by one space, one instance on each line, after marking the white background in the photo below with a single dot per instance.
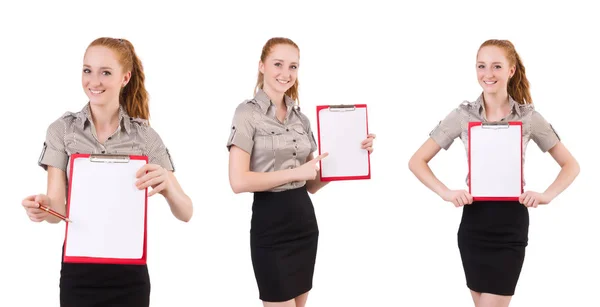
384 242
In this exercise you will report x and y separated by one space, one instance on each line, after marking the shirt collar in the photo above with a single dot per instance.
514 106
265 103
85 116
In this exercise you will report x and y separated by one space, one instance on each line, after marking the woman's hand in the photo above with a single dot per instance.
533 199
458 197
152 175
32 208
308 170
368 143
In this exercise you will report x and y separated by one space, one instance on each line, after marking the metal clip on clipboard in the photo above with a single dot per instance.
495 125
342 108
102 158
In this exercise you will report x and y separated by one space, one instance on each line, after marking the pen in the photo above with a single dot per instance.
62 217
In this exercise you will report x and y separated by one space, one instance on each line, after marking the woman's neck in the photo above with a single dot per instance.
105 117
496 106
276 98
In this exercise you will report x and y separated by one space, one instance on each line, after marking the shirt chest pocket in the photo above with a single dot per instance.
298 137
78 144
269 139
298 143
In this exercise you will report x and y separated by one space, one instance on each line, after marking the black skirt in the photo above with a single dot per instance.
283 243
492 239
99 285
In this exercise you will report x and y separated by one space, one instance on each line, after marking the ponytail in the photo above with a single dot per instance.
134 96
518 86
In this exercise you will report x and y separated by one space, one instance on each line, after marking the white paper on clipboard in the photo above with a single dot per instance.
107 210
495 160
341 131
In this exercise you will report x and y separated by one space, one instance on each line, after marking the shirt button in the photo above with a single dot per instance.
286 129
294 141
110 137
103 151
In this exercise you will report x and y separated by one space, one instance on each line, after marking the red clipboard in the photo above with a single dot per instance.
346 161
74 236
495 151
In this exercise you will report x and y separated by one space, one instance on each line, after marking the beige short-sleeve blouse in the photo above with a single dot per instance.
272 145
456 124
75 133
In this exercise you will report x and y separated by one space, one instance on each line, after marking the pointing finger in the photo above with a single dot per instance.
320 157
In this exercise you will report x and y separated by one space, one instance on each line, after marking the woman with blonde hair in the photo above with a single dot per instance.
271 149
114 121
493 234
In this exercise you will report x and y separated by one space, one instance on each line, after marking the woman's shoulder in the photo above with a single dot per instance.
139 122
465 107
247 109
65 120
248 105
302 115
471 104
527 109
